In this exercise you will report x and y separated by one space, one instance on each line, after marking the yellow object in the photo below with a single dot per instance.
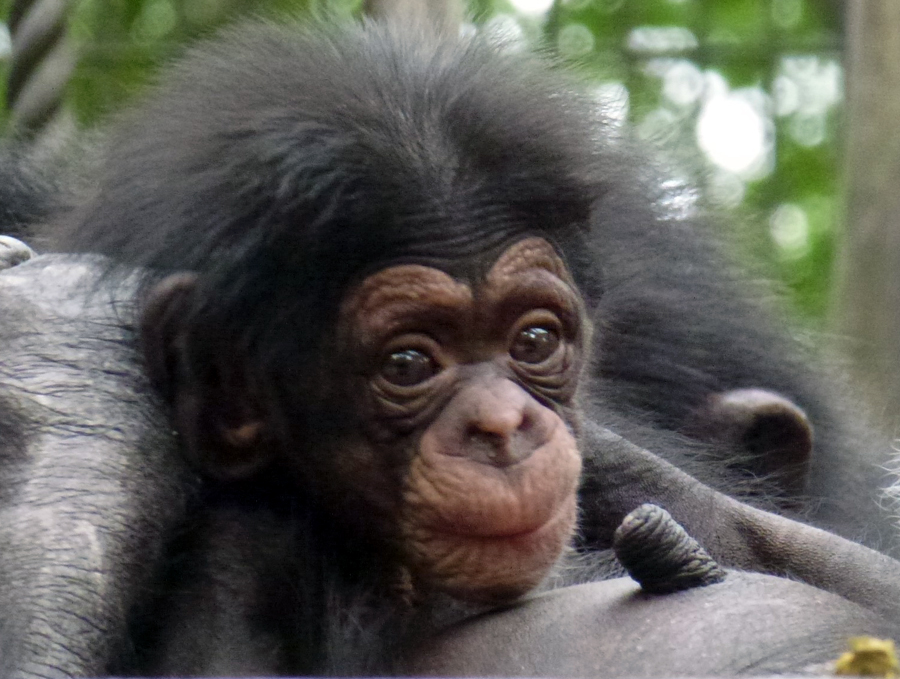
869 657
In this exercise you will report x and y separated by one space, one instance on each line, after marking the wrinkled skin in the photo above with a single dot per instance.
749 624
91 483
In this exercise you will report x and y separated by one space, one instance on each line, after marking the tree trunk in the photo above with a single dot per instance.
868 301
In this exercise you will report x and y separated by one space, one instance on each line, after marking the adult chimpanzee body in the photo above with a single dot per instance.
372 270
748 625
93 485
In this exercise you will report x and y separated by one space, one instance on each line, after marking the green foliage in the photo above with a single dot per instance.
775 59
661 61
123 42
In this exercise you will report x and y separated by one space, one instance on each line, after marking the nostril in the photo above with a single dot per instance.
497 450
527 424
475 432
486 447
500 425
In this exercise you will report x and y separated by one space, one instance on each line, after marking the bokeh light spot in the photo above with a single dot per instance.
789 227
532 6
156 20
732 133
575 40
787 13
661 39
683 82
808 130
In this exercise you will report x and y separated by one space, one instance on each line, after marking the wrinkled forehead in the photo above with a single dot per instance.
529 253
420 284
486 268
490 263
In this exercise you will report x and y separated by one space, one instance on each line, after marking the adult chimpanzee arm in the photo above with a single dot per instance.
620 476
90 482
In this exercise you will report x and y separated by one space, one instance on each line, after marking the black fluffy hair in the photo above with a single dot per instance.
308 155
280 164
28 192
